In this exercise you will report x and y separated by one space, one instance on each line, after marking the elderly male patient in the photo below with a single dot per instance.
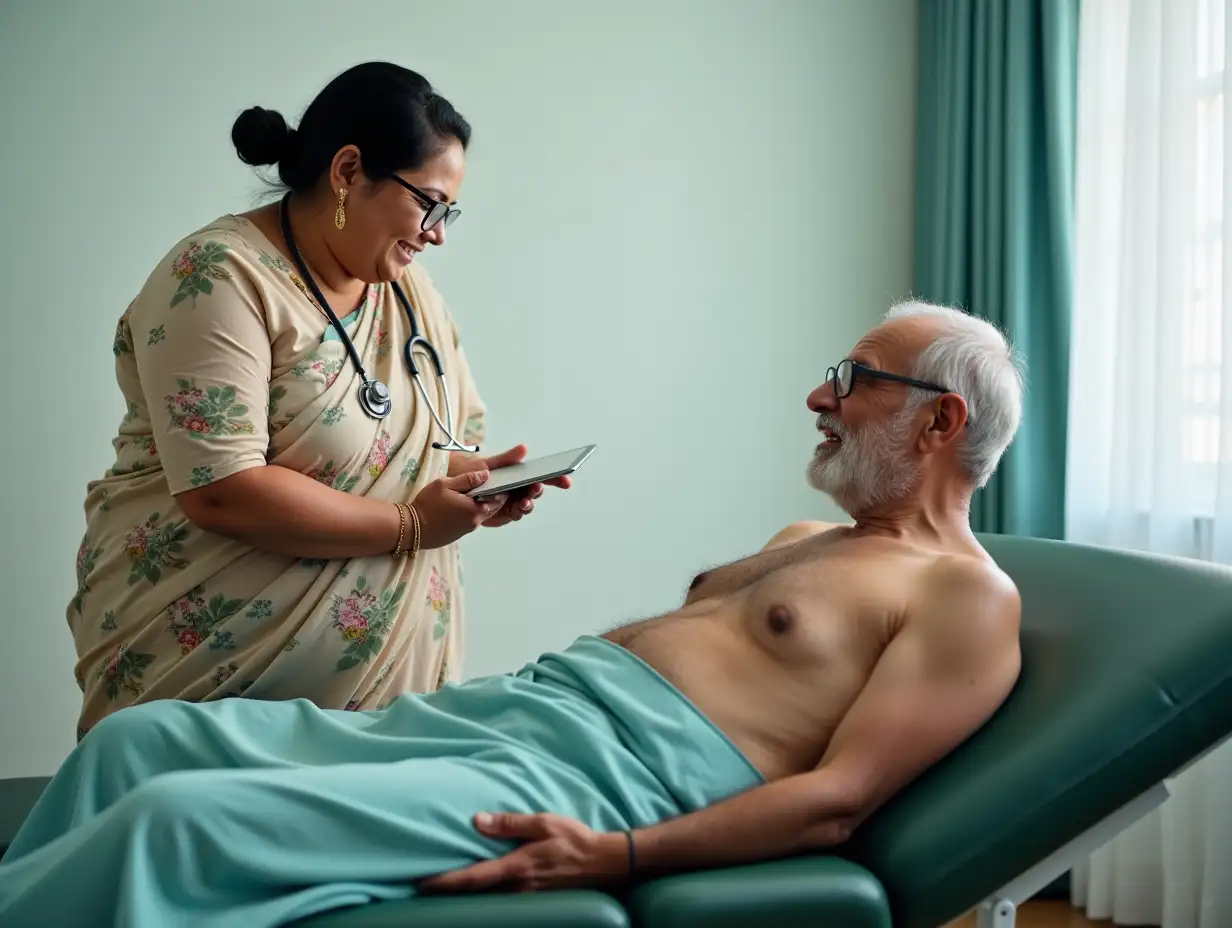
793 693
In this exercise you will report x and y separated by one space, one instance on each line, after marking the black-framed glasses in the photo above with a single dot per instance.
435 210
844 378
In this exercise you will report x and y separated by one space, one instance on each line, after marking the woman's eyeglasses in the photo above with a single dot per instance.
435 210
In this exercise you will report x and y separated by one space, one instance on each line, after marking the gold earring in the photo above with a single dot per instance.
340 212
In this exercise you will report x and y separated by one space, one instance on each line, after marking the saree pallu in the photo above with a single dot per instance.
225 362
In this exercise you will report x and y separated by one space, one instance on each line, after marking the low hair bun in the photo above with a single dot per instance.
388 112
261 136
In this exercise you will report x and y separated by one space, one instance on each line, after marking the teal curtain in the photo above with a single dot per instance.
994 214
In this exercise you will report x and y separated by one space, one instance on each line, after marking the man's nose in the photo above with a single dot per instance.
823 399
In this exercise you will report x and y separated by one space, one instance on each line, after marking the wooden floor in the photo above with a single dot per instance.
1041 914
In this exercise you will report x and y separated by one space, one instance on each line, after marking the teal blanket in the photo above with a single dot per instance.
240 812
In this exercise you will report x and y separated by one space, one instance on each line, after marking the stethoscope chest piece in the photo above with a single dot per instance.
375 399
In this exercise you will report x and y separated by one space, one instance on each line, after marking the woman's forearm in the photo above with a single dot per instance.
281 511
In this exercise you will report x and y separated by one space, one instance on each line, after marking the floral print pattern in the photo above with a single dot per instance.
410 470
157 335
223 674
259 609
208 413
197 267
333 476
383 341
191 619
328 368
274 262
87 558
123 341
145 449
378 457
438 602
123 671
275 395
153 546
363 618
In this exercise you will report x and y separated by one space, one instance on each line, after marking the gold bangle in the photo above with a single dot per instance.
415 534
401 529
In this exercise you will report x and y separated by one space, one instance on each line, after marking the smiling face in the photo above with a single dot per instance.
865 458
384 220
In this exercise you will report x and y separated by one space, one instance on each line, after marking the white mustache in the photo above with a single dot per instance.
826 421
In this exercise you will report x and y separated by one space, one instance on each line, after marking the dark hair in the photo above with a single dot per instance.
391 114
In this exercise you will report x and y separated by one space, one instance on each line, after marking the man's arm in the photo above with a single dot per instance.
739 574
939 679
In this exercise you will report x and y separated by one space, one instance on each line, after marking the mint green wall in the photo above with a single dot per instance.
676 215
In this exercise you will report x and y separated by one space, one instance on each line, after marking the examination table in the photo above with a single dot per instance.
1126 680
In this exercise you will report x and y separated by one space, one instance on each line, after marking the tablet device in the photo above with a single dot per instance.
538 470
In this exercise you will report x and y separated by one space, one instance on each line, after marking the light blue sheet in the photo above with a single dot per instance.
240 812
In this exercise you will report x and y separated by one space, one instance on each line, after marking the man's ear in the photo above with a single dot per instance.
946 421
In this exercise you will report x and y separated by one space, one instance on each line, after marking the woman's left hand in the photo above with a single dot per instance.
521 502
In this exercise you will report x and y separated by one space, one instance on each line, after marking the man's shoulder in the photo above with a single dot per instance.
798 531
969 592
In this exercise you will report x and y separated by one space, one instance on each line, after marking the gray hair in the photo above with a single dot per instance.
973 358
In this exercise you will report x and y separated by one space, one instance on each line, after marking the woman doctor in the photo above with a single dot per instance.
282 516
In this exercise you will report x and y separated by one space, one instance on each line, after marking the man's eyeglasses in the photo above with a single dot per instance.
435 210
844 378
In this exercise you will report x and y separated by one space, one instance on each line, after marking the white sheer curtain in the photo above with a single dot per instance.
1150 441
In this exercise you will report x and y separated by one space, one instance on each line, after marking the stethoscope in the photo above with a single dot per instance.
374 396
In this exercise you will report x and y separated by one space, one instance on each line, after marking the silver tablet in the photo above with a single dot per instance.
536 470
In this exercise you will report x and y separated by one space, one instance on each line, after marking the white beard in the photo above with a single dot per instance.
870 467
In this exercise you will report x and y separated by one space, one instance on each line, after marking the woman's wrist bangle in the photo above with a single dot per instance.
416 531
398 550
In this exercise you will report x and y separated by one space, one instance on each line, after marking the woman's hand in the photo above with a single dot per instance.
520 502
446 513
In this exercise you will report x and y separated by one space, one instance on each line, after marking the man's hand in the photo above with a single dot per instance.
559 853
521 502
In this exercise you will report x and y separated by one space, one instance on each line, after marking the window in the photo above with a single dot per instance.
1201 327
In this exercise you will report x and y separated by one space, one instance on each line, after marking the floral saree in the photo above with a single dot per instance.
225 362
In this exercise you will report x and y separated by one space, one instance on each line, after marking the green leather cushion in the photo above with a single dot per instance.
563 909
825 891
17 798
